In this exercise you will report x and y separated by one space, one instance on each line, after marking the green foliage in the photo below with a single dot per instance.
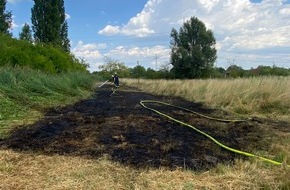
268 71
235 71
192 50
26 33
49 24
138 72
111 66
46 58
5 18
23 91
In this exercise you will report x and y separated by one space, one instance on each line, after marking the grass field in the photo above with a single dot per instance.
263 97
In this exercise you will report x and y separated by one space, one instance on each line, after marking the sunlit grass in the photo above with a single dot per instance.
33 171
263 96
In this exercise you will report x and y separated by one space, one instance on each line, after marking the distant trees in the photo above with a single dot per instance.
235 71
49 23
269 71
111 66
26 33
232 71
192 50
5 18
138 72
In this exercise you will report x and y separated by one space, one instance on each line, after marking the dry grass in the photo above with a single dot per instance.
32 171
263 96
20 170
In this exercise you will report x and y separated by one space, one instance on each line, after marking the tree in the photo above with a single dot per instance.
193 50
26 33
235 71
49 23
111 66
138 71
5 18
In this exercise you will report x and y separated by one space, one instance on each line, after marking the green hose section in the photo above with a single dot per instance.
205 134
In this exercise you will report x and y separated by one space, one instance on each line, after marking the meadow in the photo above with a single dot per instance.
25 95
257 96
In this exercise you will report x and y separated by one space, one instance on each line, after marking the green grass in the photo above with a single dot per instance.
26 93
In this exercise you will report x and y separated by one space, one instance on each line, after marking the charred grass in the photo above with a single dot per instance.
111 142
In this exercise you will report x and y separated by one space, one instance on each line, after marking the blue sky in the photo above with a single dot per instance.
248 33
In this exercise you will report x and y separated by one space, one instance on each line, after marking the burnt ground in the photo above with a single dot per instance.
120 128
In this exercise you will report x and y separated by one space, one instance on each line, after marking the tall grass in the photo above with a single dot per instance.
254 96
26 92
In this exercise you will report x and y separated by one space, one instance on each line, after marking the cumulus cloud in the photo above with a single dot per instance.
110 30
239 25
149 56
89 53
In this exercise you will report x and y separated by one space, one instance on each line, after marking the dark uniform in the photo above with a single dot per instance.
116 80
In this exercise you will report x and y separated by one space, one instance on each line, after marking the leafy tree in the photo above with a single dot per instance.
49 23
138 72
152 74
218 72
192 50
111 66
5 18
235 71
26 33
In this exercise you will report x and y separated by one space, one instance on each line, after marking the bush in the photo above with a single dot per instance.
15 52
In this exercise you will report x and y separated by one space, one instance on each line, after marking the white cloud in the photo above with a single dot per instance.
13 24
67 16
249 33
110 30
149 56
90 53
285 11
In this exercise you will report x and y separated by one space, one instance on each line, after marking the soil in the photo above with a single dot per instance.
119 128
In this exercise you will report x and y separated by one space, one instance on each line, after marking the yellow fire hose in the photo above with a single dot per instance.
143 102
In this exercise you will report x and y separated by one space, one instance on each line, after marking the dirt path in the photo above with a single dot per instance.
120 128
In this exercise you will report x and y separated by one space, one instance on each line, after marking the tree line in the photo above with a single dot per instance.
165 72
